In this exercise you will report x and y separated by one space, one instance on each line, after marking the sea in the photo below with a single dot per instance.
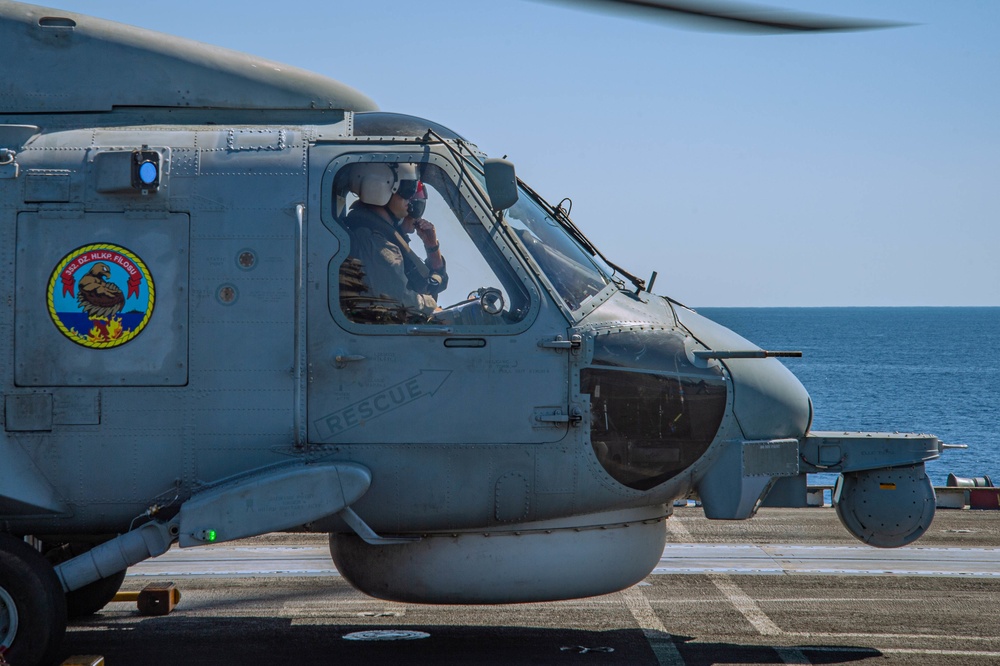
932 370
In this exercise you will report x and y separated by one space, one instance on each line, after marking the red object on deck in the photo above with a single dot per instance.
984 498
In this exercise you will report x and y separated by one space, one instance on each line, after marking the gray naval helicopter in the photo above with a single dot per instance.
218 328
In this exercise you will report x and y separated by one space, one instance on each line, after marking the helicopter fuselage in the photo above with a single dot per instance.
235 352
201 345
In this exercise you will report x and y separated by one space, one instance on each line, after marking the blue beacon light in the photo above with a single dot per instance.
147 173
146 170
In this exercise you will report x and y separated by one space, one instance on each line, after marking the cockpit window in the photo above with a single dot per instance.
418 252
570 269
381 123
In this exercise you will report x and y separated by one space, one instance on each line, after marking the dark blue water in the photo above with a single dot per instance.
930 370
81 323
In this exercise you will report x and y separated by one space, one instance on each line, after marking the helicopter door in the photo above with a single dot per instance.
429 338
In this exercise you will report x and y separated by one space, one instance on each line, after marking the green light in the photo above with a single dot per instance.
210 535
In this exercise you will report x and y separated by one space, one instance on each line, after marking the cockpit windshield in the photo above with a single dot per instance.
573 272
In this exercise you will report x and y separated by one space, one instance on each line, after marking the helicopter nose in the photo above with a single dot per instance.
772 411
769 402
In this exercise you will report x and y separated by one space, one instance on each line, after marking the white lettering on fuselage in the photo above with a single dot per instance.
423 384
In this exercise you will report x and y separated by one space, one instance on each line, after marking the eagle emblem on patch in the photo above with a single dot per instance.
101 295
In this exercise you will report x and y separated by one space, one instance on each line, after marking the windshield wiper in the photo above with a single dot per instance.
562 217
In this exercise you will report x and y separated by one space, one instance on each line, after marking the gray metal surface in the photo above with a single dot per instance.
163 70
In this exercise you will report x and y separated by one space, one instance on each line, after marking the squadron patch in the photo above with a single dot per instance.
100 296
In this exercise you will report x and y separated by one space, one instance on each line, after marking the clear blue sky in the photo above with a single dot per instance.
834 169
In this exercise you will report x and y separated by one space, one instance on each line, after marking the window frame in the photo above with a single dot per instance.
331 212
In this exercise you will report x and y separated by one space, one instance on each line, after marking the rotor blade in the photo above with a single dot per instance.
721 16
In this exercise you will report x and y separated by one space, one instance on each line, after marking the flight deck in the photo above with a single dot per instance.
788 586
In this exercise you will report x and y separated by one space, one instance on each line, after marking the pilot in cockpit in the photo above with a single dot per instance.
394 279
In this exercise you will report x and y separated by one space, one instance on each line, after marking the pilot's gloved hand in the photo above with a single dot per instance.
425 232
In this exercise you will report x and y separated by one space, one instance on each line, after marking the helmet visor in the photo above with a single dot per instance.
407 188
418 202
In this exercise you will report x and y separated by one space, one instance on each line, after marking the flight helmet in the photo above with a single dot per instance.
375 182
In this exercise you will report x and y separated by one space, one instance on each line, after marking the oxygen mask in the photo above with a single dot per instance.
417 201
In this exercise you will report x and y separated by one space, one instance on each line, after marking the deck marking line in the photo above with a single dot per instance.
757 617
744 604
676 527
944 653
659 639
915 637
929 651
